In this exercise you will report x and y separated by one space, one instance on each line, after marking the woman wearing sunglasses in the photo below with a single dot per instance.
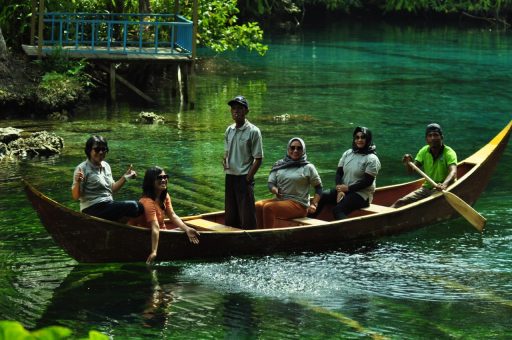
94 185
355 177
290 180
157 204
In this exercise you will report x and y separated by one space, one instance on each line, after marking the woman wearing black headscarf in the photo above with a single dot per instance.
355 177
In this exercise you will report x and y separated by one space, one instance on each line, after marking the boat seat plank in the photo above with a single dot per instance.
309 221
202 224
375 208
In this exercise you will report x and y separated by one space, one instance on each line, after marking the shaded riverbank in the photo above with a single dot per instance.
24 89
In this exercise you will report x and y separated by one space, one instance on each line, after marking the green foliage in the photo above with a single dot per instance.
343 5
59 65
15 20
58 60
14 330
218 26
471 6
59 90
494 11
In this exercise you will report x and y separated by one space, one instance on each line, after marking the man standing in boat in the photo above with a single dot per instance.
439 162
243 154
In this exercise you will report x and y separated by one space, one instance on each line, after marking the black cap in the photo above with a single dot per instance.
240 100
434 127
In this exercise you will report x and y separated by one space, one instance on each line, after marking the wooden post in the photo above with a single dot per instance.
184 83
112 83
113 77
174 80
191 85
194 28
40 30
33 22
176 11
176 8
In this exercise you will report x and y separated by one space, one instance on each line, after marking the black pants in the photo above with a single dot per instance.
114 210
239 202
352 201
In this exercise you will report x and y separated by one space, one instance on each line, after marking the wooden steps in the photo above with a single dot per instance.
308 221
375 208
206 225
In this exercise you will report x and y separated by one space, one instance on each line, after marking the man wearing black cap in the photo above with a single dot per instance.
439 162
243 153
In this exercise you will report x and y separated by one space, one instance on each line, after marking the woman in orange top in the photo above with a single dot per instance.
157 205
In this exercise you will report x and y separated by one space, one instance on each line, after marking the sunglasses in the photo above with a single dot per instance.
293 148
99 149
162 177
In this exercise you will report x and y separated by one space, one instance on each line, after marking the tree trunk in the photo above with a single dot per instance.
144 6
3 47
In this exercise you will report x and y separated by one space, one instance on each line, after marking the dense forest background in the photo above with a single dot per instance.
231 24
57 84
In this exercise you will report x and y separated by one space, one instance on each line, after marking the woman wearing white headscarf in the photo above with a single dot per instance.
290 180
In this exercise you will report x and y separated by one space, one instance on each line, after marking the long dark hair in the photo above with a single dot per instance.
148 184
94 140
369 147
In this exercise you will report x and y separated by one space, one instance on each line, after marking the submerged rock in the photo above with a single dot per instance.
39 143
3 150
150 118
9 134
62 116
282 118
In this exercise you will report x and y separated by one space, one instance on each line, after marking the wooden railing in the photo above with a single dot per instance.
164 34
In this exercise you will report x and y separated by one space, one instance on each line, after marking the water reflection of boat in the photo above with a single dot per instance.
90 239
113 292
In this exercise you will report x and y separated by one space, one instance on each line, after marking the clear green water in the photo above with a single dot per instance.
444 281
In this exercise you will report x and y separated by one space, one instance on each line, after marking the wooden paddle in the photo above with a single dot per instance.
470 214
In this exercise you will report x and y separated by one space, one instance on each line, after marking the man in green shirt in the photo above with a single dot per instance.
439 162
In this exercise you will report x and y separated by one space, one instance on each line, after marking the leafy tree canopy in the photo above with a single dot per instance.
218 27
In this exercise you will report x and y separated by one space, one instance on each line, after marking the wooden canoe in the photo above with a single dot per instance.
91 239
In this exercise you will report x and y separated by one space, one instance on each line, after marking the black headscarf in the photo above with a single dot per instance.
287 161
369 147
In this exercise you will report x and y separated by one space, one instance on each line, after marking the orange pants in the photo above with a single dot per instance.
269 210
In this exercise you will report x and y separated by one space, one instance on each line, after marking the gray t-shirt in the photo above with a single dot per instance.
355 165
242 146
97 184
294 183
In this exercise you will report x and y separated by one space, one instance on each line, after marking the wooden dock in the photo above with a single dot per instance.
112 54
108 39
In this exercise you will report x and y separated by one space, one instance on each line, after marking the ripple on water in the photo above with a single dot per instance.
392 270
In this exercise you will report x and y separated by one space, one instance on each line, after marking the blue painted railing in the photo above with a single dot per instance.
163 34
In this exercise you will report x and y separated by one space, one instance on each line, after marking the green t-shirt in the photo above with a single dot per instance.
436 169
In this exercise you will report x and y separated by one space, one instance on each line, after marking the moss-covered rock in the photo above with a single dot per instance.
42 143
25 86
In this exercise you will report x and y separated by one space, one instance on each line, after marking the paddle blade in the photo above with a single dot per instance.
470 214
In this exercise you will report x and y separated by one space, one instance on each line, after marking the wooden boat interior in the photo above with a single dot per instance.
384 197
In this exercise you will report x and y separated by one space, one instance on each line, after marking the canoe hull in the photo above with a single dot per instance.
90 239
